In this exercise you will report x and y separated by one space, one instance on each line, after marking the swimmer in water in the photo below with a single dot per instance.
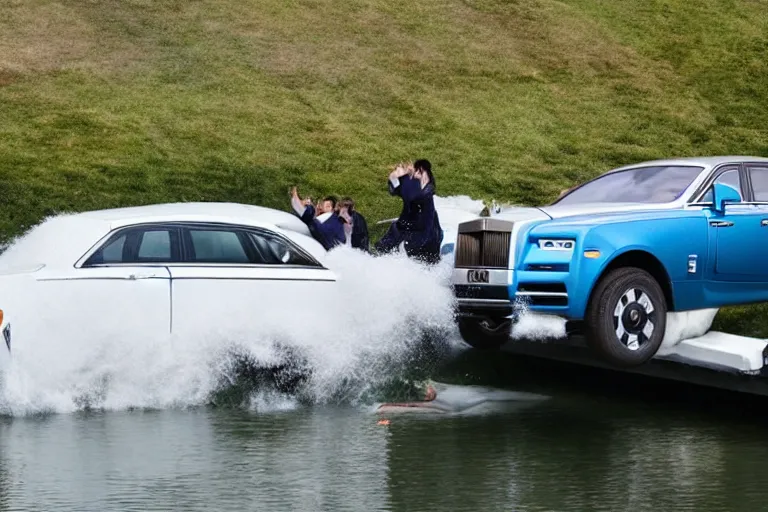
442 398
429 394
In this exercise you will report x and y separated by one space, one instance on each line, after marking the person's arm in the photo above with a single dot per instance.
297 205
303 209
394 178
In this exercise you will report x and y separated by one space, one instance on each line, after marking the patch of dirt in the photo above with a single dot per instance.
38 37
7 77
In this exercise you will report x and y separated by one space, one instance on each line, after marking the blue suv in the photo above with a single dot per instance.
614 255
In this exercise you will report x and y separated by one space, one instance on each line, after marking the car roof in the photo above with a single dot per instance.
198 211
62 239
703 161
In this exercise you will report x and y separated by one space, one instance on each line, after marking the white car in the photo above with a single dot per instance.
167 271
159 269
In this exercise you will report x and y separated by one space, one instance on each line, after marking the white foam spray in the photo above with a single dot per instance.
352 336
537 327
362 330
685 325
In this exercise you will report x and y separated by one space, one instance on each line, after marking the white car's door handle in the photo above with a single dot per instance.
147 275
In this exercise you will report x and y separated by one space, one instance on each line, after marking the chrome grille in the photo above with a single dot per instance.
489 249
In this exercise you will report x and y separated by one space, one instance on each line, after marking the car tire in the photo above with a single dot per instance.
480 337
626 317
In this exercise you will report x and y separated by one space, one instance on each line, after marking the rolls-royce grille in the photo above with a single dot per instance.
488 249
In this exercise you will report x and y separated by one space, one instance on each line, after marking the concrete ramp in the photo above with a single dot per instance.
719 350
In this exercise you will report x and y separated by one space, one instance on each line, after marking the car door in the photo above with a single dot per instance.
119 290
758 245
738 254
239 282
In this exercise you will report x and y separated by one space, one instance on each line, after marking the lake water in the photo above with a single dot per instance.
595 443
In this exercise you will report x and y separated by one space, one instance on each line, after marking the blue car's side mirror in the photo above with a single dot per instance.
722 194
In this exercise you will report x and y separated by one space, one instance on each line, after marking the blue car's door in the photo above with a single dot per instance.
741 232
758 246
741 236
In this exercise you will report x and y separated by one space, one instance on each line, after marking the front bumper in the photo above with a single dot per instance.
486 309
504 292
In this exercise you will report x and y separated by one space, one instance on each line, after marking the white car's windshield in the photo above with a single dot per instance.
661 184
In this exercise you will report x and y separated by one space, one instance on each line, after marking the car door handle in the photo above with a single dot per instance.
720 223
147 275
764 222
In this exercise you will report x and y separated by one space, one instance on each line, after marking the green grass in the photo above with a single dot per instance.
120 102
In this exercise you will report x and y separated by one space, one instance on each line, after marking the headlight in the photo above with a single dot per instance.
557 245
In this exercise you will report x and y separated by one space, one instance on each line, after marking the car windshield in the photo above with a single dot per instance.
660 184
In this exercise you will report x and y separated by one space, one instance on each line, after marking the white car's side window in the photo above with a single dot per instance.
113 251
154 245
217 246
240 246
204 244
149 244
273 251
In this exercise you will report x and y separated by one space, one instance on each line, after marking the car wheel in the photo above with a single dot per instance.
483 334
626 317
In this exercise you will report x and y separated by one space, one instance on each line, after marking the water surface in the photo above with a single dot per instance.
593 445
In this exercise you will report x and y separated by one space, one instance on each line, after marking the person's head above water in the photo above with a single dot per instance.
422 170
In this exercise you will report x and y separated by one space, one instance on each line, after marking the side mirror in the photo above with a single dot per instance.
722 194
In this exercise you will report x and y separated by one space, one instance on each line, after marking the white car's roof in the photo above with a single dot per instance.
198 212
61 240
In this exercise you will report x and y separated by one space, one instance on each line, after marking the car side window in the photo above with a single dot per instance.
271 250
136 245
113 251
729 177
217 246
759 178
154 245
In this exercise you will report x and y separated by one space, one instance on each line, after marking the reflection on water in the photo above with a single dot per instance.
572 452
559 461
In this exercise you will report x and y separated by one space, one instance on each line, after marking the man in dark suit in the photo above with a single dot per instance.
326 227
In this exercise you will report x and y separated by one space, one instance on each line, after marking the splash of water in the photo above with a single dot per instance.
366 328
685 325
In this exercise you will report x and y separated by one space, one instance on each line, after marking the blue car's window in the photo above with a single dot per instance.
660 184
759 177
730 178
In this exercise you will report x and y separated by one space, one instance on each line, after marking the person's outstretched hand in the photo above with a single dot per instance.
400 170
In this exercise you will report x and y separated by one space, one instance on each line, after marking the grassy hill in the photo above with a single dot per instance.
120 102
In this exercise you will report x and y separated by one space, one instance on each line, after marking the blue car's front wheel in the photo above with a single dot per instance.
626 317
